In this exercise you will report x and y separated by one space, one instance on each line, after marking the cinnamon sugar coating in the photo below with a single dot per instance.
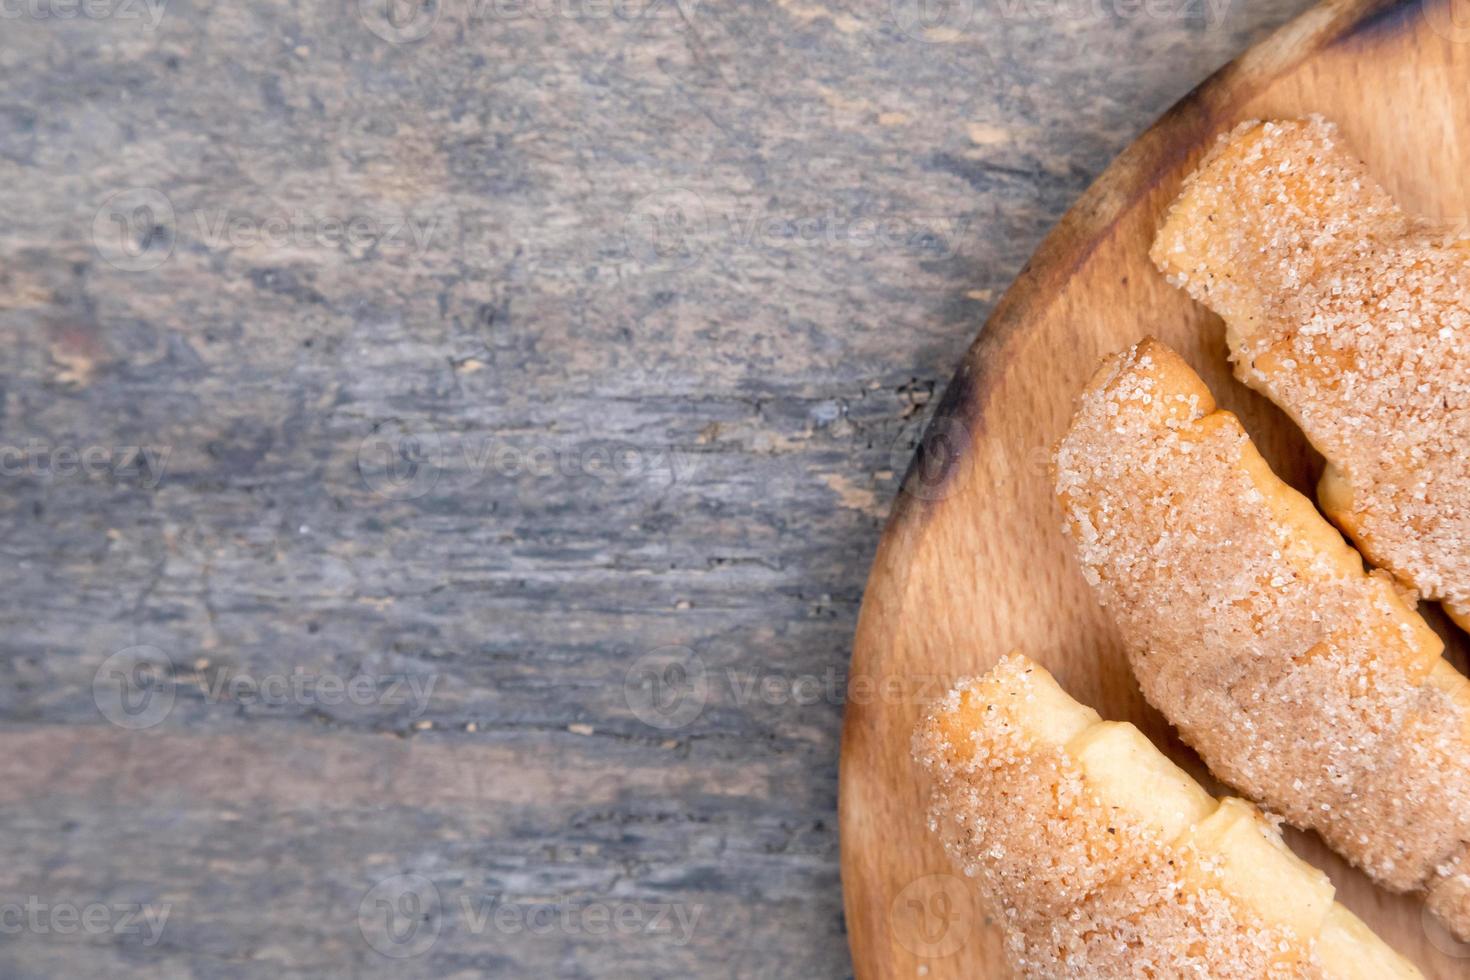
1092 876
1299 677
1355 319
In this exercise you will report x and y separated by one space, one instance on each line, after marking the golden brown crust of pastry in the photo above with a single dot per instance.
1299 677
1355 319
1072 827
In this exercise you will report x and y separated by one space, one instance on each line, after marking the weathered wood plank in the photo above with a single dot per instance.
659 303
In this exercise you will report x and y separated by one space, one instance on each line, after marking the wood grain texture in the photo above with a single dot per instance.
769 362
973 562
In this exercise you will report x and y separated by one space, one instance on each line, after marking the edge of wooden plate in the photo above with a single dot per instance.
1183 128
1160 152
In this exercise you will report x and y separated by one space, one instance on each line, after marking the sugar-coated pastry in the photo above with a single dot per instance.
1300 678
1355 319
1103 859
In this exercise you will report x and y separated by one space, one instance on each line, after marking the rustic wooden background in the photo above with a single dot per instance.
442 449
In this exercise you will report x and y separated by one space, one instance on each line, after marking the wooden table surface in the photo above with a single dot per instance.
442 449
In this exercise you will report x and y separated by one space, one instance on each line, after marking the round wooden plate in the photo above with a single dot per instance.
973 562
